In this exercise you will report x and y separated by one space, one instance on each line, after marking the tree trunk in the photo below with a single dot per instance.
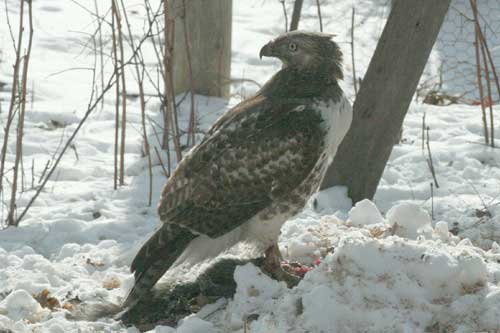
385 95
209 31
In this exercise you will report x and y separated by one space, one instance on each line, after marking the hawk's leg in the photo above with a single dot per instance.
272 265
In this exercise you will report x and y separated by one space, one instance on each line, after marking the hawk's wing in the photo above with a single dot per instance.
256 153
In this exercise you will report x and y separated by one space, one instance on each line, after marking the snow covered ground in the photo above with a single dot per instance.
405 263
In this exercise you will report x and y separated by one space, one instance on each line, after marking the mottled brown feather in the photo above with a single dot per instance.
236 171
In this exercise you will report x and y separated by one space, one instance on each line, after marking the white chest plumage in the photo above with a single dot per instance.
337 118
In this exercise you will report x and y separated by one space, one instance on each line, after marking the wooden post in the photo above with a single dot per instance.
209 31
385 95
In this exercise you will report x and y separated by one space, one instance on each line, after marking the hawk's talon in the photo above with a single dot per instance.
272 266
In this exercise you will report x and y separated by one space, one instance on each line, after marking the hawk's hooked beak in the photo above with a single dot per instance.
266 50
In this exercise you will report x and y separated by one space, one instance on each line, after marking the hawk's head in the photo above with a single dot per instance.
306 51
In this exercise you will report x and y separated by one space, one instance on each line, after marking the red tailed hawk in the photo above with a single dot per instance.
258 164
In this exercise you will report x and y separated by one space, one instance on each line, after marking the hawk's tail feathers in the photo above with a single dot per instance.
155 258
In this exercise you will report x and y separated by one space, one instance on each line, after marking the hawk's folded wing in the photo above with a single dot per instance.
256 153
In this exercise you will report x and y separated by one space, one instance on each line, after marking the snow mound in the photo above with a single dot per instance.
162 329
409 220
364 213
255 291
377 285
195 324
392 274
20 305
332 200
191 324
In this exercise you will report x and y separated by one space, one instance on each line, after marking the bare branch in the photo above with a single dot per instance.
480 85
15 77
355 80
284 14
140 80
93 103
430 162
119 36
192 115
117 100
170 111
20 126
318 6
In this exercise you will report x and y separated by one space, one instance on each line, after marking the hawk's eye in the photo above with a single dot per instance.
292 46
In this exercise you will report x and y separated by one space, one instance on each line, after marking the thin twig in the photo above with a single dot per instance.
73 147
45 169
140 80
168 148
284 14
101 46
192 115
32 173
32 99
297 9
430 162
486 57
10 26
124 94
490 98
423 132
432 202
355 80
155 41
318 6
92 105
15 77
492 63
11 220
165 172
168 36
485 206
169 82
117 100
479 80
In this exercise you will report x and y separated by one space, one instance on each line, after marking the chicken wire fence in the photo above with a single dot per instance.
451 74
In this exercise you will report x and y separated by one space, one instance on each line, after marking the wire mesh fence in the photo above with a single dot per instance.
452 73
